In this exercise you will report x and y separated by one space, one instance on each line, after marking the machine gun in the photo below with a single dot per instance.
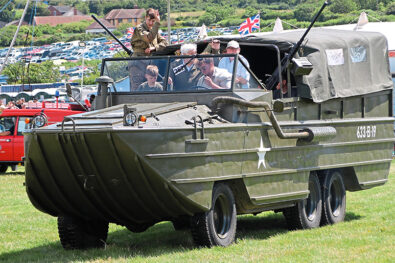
128 51
272 82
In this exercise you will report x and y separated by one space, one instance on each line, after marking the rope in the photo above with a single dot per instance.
290 24
5 6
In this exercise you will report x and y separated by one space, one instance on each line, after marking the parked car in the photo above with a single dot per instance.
13 122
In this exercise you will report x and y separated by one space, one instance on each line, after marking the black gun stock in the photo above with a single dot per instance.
130 53
272 82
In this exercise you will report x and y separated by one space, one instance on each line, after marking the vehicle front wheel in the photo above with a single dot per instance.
76 233
3 168
334 198
306 213
216 227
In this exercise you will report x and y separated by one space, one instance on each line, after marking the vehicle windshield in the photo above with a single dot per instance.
170 74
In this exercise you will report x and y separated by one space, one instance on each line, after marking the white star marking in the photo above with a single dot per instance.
261 155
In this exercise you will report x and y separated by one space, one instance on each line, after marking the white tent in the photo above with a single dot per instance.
278 26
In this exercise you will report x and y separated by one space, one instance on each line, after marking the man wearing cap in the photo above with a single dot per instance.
242 74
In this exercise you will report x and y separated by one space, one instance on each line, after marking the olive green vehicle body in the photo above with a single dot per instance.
97 168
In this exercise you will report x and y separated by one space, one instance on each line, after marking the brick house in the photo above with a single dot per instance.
118 16
55 20
96 28
64 11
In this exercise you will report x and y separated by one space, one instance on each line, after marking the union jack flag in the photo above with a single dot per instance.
251 24
129 32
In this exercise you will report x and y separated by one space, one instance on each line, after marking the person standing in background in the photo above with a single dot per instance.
146 38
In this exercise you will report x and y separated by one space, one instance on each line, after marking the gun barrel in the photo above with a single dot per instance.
130 53
272 82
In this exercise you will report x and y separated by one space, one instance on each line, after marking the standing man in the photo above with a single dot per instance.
146 38
183 72
242 75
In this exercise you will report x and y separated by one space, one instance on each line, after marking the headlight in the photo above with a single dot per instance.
129 116
130 119
39 121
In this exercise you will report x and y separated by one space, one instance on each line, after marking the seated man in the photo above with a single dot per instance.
242 74
214 78
151 74
182 75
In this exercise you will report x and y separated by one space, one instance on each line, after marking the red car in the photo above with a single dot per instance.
14 121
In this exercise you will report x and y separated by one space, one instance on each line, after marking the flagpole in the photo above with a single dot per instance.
259 13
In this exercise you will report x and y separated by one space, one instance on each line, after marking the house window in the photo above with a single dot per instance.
135 20
119 21
129 20
54 13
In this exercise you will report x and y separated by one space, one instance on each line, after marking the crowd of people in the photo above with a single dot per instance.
207 73
18 104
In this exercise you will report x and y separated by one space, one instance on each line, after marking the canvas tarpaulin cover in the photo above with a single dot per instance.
345 63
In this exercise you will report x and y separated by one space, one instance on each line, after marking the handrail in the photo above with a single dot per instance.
68 119
269 111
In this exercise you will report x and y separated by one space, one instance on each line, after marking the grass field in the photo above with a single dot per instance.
367 235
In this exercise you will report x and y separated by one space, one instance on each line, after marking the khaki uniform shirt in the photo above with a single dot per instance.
221 77
144 38
183 77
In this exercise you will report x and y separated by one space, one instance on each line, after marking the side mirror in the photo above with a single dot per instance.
68 90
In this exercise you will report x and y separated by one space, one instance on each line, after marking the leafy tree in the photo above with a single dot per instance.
342 6
33 73
8 13
391 9
304 12
207 18
82 7
39 10
96 7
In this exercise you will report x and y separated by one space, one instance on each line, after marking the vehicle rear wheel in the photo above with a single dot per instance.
3 168
181 223
334 198
306 213
76 233
216 227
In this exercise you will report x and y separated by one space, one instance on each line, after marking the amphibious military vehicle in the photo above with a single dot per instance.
199 157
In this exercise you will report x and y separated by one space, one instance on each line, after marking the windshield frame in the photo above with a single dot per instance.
171 58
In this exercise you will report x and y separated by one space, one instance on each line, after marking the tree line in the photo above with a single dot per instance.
216 10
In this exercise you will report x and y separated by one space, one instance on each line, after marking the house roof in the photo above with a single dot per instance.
56 20
96 25
125 13
62 8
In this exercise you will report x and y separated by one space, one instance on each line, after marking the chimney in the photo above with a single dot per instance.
75 11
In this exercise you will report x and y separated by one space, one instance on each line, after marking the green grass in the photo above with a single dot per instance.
367 235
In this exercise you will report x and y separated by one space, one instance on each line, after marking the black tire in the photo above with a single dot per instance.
138 228
3 168
181 223
306 214
76 233
216 227
334 198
